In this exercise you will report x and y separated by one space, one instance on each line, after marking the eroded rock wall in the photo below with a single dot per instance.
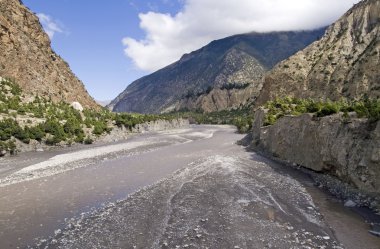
347 149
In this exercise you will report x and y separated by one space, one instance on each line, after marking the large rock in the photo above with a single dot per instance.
348 150
344 63
26 56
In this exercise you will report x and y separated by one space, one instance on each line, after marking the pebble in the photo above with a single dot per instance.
350 203
326 237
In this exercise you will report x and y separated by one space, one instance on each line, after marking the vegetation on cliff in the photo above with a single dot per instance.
37 118
365 108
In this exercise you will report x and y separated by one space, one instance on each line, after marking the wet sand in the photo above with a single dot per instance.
191 188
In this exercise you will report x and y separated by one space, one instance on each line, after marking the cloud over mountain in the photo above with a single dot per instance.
167 36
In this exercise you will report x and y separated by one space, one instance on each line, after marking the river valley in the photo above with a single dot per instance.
184 188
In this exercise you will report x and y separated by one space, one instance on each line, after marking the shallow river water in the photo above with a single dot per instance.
184 188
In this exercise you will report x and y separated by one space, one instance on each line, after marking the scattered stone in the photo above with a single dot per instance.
376 233
289 228
326 237
363 178
39 150
350 203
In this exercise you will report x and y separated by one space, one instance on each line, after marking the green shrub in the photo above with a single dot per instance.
79 138
8 146
328 108
56 129
53 140
88 140
22 135
36 132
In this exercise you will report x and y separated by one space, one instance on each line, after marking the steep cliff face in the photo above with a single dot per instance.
26 57
224 74
348 150
344 63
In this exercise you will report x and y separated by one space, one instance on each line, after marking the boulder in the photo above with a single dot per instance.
77 106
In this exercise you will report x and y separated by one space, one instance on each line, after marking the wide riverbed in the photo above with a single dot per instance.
184 188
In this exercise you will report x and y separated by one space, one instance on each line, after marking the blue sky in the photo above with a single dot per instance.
109 44
91 39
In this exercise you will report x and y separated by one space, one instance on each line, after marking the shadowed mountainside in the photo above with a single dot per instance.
224 74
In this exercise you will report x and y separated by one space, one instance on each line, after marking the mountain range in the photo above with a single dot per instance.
224 74
340 61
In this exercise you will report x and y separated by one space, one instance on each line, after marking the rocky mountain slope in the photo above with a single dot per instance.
26 57
224 74
344 63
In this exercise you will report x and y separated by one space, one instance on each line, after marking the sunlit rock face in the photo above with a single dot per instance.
26 56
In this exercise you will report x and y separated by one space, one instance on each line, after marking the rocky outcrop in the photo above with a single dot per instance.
160 125
120 133
222 75
344 63
346 148
26 56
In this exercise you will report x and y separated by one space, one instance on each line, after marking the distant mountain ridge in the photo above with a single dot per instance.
26 57
224 74
344 63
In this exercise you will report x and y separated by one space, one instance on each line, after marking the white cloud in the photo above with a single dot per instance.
50 26
167 36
